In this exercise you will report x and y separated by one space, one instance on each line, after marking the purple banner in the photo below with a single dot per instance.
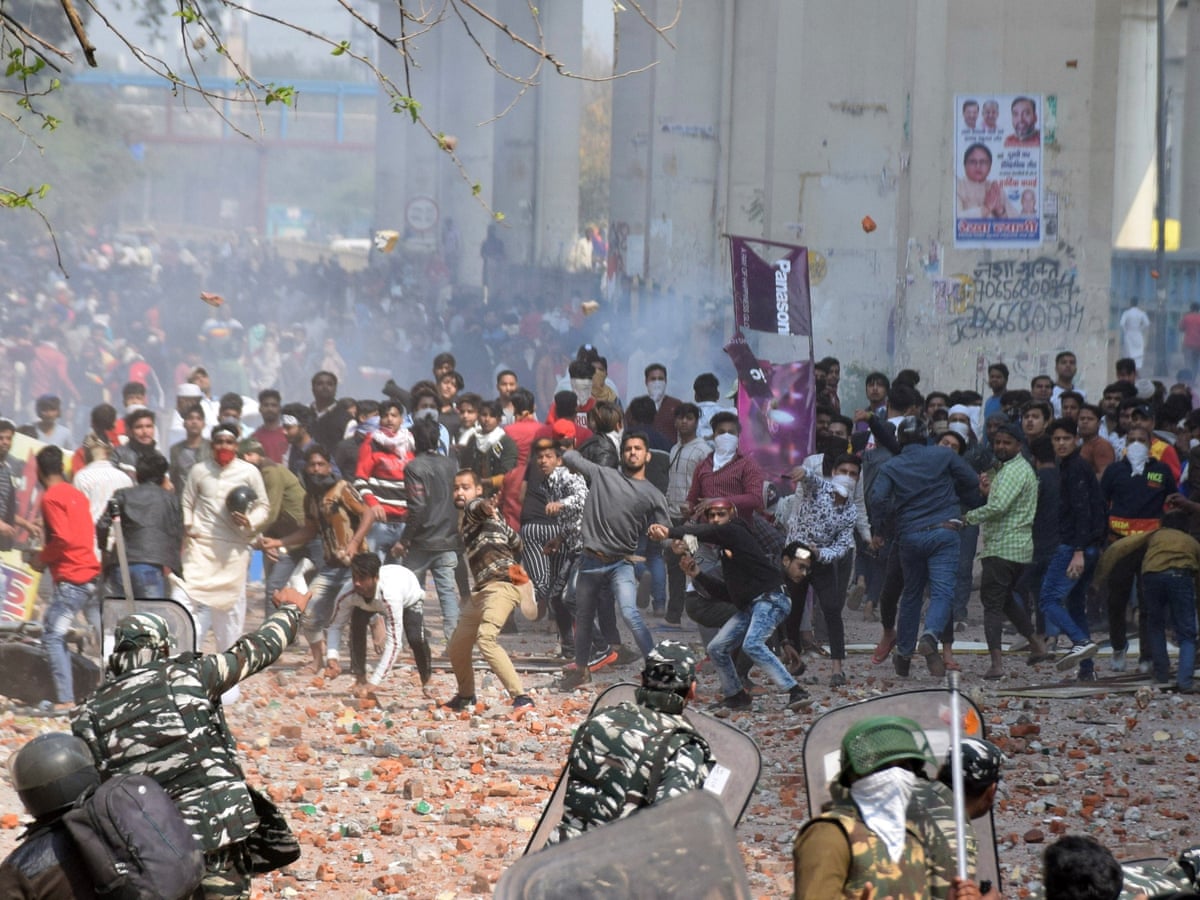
770 296
777 425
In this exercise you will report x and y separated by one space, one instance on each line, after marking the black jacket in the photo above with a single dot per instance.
46 864
432 516
151 523
1082 518
749 572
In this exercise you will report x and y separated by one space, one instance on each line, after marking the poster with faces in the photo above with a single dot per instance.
998 170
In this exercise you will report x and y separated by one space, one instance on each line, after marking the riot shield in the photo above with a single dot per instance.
180 623
930 709
732 780
684 848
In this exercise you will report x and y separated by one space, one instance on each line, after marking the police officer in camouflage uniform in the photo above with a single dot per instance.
162 717
49 773
932 809
867 837
636 754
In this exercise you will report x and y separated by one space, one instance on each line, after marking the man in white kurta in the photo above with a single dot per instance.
216 552
1134 324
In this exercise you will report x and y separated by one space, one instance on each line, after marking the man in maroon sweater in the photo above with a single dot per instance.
70 554
727 473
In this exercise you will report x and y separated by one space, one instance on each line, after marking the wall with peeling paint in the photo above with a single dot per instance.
826 111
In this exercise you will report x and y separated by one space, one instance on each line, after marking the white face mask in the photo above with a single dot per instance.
582 388
882 798
1137 453
656 388
726 444
427 413
844 484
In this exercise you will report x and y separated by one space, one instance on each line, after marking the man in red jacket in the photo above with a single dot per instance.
70 555
524 430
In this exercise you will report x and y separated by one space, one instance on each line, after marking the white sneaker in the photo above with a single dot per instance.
1076 655
1118 661
1145 667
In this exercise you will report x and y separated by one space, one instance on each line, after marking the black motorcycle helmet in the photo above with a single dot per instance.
51 771
239 499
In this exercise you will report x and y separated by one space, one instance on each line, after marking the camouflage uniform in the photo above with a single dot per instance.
636 754
1158 879
163 718
869 859
931 810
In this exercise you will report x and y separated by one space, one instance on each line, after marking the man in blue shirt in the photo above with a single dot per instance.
919 495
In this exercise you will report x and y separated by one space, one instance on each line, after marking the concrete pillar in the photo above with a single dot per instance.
633 134
559 104
1189 207
409 164
513 175
1133 182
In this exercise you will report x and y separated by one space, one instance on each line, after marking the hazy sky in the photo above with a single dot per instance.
324 16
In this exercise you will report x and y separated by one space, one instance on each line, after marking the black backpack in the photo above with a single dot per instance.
135 842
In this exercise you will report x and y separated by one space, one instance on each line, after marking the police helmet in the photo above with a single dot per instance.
239 499
51 771
981 761
881 741
142 630
670 666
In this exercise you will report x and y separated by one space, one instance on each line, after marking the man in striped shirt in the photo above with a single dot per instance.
492 551
687 454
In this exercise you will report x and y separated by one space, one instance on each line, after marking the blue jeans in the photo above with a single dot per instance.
968 544
657 567
928 557
442 564
750 628
1171 595
285 565
1064 601
594 576
147 581
383 535
67 600
326 587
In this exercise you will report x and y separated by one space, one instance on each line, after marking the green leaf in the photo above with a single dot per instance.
408 105
341 48
476 188
282 93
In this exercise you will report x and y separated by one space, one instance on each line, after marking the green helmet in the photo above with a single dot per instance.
670 666
51 771
142 630
880 741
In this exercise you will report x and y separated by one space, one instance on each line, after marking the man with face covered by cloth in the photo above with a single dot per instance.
634 755
216 551
866 838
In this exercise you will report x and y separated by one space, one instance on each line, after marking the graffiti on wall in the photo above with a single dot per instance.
1012 297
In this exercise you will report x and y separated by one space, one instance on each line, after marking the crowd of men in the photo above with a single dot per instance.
579 502
607 504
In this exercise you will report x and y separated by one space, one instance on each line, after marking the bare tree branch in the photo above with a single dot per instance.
89 50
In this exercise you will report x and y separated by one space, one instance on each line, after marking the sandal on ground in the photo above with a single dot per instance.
883 649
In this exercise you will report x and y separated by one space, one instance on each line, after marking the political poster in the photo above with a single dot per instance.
998 181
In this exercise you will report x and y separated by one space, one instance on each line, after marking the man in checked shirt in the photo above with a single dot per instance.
727 473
